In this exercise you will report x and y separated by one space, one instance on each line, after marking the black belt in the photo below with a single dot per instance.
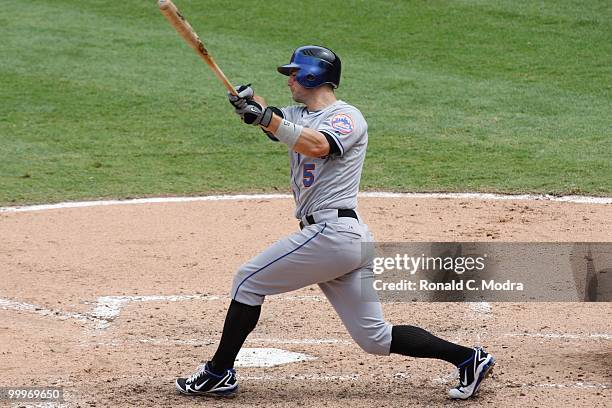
341 213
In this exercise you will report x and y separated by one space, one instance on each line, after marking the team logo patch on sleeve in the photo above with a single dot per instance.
342 123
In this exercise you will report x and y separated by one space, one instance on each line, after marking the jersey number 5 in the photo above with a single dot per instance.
307 174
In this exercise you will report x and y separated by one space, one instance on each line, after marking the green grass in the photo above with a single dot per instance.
101 99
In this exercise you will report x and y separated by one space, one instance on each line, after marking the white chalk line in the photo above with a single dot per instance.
108 308
7 304
151 200
570 336
254 340
44 404
494 197
251 197
165 341
406 376
578 384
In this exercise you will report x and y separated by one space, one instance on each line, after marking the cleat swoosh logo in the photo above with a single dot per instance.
199 387
464 379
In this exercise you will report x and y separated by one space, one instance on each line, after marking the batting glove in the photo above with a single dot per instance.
245 93
254 114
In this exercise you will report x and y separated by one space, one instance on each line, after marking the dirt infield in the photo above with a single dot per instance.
112 303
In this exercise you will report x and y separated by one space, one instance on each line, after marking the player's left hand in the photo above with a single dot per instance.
245 93
254 114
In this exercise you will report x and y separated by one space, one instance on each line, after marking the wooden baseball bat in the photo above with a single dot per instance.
183 27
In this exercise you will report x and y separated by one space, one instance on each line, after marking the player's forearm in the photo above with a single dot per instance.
312 143
306 141
260 101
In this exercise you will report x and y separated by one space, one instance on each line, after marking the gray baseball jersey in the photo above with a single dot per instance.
329 251
333 181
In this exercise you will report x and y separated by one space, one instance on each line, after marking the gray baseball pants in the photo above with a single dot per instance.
328 253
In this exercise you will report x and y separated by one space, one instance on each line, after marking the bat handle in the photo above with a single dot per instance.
217 71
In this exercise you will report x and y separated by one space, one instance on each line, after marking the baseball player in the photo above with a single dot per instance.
327 141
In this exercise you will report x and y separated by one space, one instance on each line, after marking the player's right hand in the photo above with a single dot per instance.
254 114
245 94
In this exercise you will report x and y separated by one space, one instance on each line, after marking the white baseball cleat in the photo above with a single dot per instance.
471 374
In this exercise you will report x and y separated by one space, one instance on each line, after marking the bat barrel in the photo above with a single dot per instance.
182 26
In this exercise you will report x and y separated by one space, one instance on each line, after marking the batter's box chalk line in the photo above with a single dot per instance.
8 304
108 308
200 342
564 336
577 385
450 379
45 404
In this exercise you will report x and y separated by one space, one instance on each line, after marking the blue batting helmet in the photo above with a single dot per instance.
316 66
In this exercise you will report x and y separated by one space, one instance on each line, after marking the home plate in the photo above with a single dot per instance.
268 357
